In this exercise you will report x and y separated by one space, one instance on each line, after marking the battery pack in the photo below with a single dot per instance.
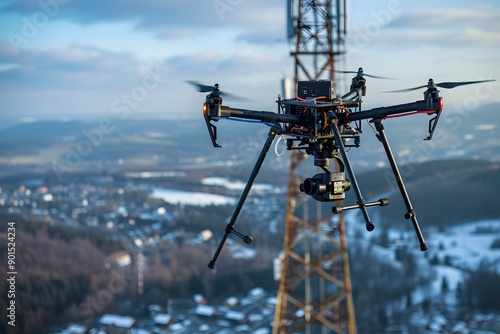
315 88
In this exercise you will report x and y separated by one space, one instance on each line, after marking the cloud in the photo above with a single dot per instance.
84 80
165 19
478 25
248 61
75 67
478 15
238 43
94 11
80 81
235 66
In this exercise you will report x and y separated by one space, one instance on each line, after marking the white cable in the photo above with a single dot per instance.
281 138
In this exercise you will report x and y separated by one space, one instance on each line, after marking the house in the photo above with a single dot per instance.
139 331
205 310
231 302
492 324
199 299
116 324
180 306
256 293
235 316
123 259
74 329
162 320
154 309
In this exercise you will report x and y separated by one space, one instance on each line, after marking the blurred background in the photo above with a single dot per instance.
119 198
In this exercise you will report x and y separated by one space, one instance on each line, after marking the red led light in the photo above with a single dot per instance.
441 103
204 109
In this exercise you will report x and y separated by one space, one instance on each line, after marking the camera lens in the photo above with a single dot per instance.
309 186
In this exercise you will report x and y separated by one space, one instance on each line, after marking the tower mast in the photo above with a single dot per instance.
315 289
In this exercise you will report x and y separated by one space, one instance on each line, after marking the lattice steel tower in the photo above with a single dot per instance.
315 289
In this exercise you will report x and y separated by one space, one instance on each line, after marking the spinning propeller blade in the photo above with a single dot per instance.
201 88
208 88
360 73
445 85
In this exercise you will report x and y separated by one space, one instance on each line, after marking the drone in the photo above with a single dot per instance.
320 123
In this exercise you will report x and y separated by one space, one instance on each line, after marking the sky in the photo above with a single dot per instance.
70 59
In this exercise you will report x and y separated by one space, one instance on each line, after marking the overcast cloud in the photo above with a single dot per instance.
81 55
478 25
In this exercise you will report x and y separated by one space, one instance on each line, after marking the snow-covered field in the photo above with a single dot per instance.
464 247
181 197
460 249
465 250
237 185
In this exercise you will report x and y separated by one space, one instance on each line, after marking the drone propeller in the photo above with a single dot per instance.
208 88
201 88
360 73
445 85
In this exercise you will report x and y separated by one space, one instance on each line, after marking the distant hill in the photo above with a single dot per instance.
442 192
111 144
460 179
159 142
41 130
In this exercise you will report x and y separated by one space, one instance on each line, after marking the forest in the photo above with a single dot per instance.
65 274
57 267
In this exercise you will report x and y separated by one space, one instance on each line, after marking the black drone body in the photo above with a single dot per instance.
321 123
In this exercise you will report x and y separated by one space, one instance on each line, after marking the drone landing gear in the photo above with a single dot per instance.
230 226
360 204
410 214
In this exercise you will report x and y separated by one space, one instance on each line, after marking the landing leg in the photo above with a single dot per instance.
230 226
410 214
361 203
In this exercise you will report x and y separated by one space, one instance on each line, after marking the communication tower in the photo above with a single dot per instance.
315 289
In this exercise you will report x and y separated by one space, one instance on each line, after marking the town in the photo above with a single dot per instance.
153 221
